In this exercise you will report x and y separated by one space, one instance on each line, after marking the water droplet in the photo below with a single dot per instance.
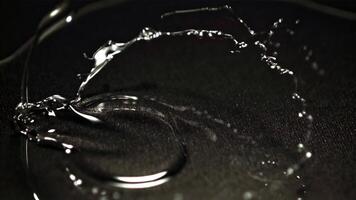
69 18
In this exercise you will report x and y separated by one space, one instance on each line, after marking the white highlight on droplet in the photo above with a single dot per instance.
140 179
69 18
308 154
51 130
35 196
54 12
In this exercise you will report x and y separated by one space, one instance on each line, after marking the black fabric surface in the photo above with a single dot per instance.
331 97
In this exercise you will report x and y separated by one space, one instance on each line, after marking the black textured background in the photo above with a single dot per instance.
331 97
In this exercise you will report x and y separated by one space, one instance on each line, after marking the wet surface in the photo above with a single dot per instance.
138 124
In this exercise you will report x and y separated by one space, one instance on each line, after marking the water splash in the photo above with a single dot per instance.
104 54
93 111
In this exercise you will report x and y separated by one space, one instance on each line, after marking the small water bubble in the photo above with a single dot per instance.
95 190
310 117
68 151
300 146
314 65
72 177
69 18
78 182
270 33
308 154
290 171
247 195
